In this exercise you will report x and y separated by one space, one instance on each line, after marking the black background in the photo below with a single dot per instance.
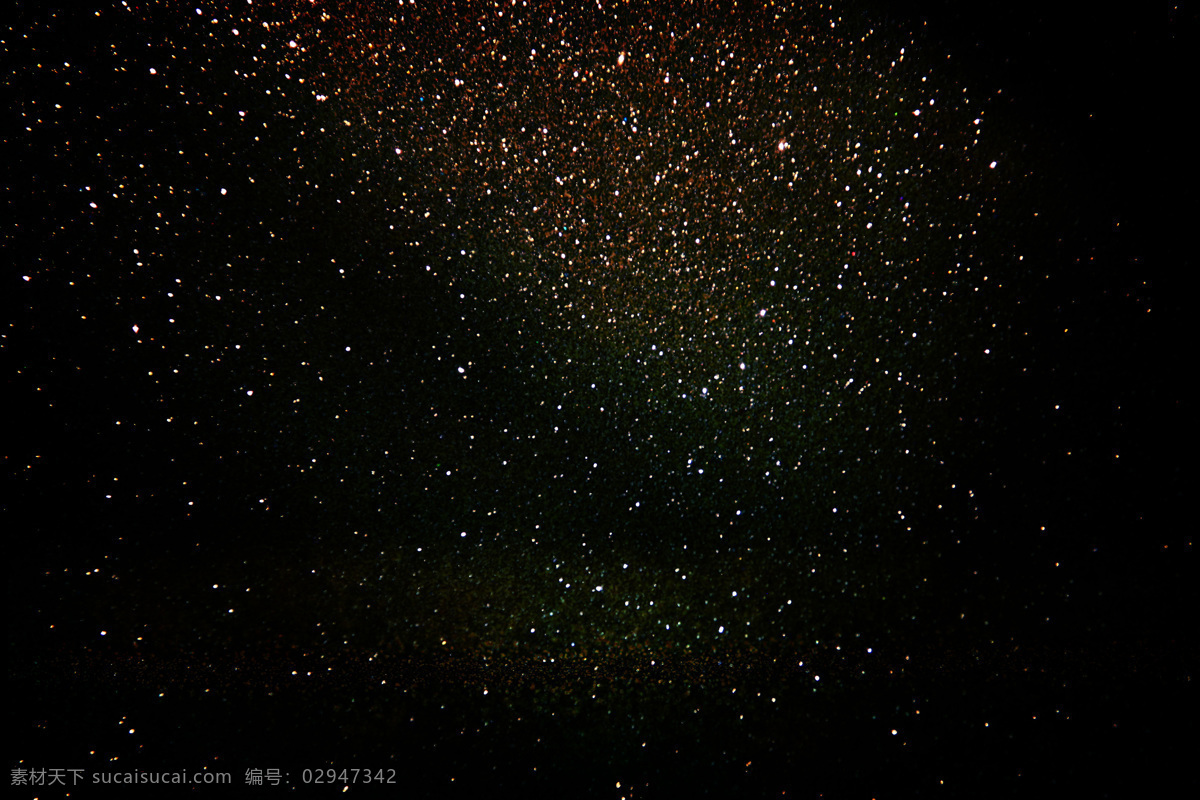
1088 693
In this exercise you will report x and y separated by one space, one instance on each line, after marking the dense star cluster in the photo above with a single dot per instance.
708 291
581 350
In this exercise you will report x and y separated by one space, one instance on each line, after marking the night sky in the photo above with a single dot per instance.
597 399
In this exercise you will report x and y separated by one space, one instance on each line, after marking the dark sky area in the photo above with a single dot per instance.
595 399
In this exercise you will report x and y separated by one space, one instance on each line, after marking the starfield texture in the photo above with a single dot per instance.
607 399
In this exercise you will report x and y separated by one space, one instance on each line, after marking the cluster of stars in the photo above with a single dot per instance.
540 298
